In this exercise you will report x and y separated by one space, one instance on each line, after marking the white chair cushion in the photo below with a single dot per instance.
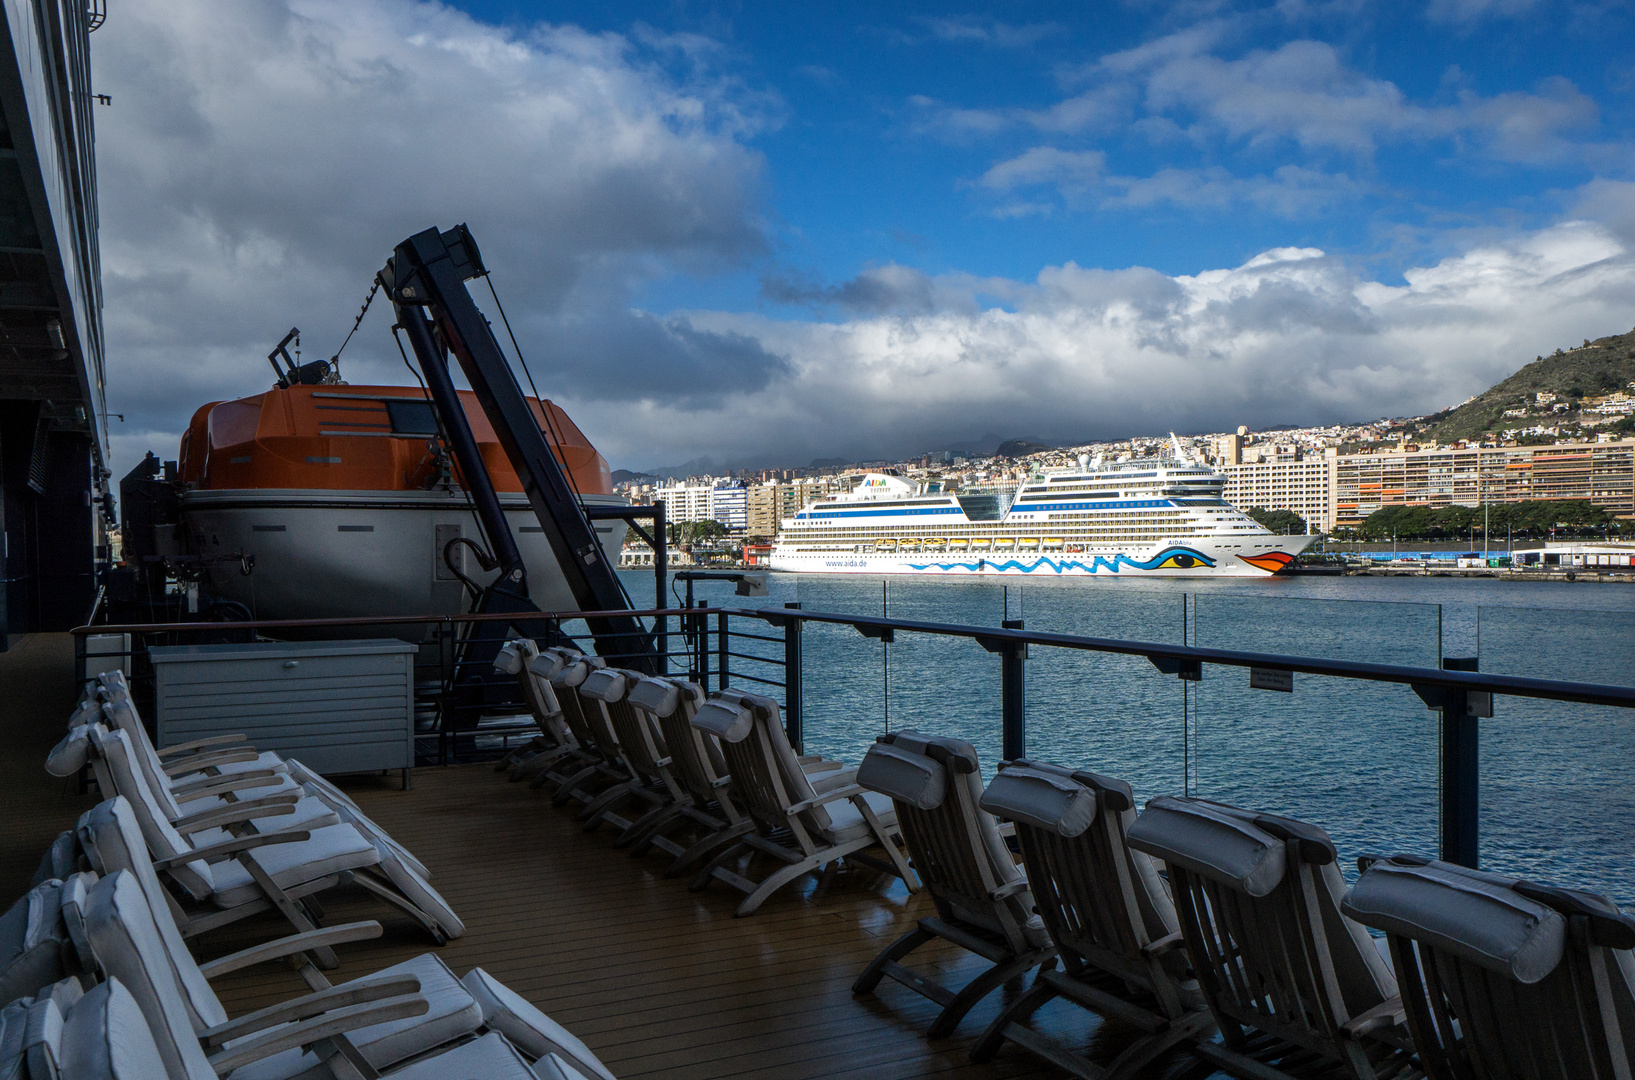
1471 916
534 1033
34 945
113 842
327 851
607 684
903 774
129 948
510 660
1044 797
552 1067
420 893
106 1037
487 1058
71 753
13 1027
846 821
1220 843
453 1014
349 812
114 756
657 696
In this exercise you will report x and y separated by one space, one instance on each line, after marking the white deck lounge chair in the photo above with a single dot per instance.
590 762
385 1018
804 823
605 695
694 769
111 834
1107 911
514 659
244 875
103 1034
1503 979
42 940
212 785
981 895
1296 987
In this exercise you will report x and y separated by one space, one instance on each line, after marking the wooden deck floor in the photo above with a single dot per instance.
660 982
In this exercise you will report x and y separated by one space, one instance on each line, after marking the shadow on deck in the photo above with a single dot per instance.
658 981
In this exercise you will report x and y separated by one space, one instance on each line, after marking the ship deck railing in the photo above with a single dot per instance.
761 649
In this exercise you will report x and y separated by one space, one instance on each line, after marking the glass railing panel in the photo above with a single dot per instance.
1558 779
1101 711
1357 758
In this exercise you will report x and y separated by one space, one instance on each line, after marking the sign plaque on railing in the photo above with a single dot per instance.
1261 678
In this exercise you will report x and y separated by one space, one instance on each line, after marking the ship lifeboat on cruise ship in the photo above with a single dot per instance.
333 500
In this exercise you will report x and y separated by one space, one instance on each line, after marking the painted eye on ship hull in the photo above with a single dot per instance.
1182 560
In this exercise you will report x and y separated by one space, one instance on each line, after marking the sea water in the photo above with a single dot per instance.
1360 759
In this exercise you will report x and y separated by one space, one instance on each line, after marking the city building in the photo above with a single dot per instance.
1285 482
1601 472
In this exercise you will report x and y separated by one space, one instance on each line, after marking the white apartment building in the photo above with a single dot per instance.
706 500
1303 485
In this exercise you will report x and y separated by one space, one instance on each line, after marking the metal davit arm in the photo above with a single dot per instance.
426 282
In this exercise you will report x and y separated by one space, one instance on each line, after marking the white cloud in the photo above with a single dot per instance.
1469 12
1301 93
987 31
1082 179
1292 335
264 157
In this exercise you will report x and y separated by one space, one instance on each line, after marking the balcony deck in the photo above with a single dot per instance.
660 982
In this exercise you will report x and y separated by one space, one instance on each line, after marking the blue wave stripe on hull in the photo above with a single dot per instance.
1097 564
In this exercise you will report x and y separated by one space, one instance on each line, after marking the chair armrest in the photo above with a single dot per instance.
1160 946
1388 1013
228 848
323 1026
188 790
200 744
289 946
821 766
238 813
200 762
828 796
309 1005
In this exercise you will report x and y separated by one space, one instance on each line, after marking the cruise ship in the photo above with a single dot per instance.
1145 516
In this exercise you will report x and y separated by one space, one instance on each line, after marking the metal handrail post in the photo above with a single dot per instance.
1013 700
721 650
1461 777
792 718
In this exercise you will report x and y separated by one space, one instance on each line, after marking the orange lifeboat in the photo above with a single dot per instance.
339 502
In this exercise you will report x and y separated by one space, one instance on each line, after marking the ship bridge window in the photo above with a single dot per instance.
411 416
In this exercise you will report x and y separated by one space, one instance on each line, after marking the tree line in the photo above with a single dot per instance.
1533 518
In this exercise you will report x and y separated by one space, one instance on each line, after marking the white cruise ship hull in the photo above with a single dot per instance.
1192 558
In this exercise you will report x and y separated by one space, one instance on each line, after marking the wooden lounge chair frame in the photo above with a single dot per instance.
1109 916
605 696
787 827
1268 955
982 907
1502 978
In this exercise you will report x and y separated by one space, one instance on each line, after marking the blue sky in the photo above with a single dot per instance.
765 233
883 125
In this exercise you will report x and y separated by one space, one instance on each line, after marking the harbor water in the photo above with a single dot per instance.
1359 759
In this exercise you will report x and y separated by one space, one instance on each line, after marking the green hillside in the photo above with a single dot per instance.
1588 370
